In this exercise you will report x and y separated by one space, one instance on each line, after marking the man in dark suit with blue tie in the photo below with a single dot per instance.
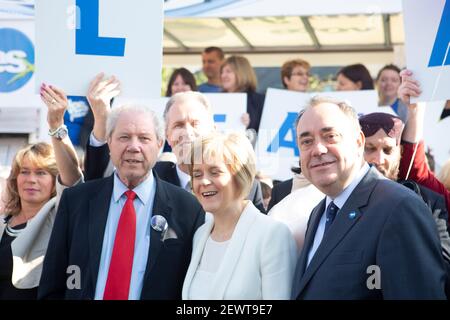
370 238
128 236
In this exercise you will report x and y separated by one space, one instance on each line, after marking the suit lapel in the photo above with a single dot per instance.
316 214
174 176
346 218
98 216
160 207
167 171
2 226
233 252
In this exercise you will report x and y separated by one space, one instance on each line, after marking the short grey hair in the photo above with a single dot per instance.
343 105
187 96
113 117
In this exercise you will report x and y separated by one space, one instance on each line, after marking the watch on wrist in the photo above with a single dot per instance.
59 133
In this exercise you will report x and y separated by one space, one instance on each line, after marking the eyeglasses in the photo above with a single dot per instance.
300 74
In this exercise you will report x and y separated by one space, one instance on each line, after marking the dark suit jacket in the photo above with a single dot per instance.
255 105
392 229
436 202
97 158
279 192
78 233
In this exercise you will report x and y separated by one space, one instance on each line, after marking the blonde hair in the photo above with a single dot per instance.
235 150
444 175
245 75
40 155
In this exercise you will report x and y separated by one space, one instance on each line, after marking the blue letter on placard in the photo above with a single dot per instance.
287 126
220 117
442 40
87 40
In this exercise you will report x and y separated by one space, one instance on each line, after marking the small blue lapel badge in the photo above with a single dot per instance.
352 215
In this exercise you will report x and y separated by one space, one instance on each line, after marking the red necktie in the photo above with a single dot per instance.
121 265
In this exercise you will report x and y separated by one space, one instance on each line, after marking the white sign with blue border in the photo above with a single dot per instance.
427 41
227 108
276 148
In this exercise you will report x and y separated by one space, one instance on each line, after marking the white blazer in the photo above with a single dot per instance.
30 246
259 262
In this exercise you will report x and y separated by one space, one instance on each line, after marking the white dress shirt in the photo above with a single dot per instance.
203 281
143 204
339 201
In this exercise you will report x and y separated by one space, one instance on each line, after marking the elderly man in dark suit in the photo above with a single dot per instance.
128 236
370 238
187 115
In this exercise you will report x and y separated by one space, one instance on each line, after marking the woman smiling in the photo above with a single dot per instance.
238 253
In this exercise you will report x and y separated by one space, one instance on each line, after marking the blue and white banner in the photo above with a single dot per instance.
276 148
77 39
427 41
227 108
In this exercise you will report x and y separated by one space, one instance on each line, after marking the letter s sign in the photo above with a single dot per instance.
87 40
16 59
442 40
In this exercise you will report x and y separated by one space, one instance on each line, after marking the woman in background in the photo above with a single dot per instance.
295 75
354 77
237 75
181 80
388 81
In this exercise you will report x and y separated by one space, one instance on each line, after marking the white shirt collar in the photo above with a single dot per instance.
143 190
184 177
340 200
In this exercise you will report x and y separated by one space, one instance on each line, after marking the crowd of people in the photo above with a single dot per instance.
132 223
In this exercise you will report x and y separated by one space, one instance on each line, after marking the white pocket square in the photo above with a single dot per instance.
169 234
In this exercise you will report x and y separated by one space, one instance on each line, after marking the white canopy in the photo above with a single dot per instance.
261 8
269 26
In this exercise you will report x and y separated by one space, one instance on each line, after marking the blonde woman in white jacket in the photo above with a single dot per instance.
239 253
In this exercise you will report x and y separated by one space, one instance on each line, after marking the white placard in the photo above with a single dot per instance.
17 60
126 44
227 108
427 41
276 147
436 132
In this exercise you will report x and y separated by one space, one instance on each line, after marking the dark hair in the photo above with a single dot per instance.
392 67
187 77
358 72
218 50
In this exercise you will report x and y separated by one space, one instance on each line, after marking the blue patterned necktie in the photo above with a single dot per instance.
332 209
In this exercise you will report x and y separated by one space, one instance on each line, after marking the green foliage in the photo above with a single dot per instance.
317 84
